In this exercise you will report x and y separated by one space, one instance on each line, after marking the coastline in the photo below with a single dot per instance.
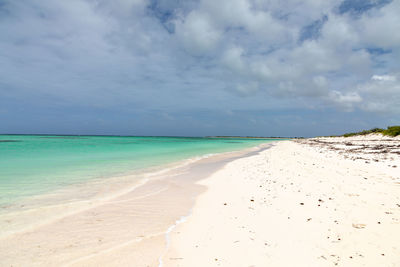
36 165
296 204
107 229
308 202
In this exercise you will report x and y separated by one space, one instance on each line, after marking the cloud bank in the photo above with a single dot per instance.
172 55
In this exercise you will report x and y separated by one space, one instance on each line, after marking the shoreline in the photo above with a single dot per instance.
94 192
176 185
323 201
37 165
296 204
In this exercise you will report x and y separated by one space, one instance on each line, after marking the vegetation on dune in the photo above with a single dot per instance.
365 132
390 131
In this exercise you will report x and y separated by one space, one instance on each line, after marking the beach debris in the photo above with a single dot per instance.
309 219
336 259
359 225
301 203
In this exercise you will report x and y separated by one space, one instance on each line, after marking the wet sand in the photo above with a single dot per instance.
127 229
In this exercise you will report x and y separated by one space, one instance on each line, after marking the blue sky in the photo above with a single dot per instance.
172 67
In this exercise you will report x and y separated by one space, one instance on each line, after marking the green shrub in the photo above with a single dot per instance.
349 134
365 132
377 130
392 131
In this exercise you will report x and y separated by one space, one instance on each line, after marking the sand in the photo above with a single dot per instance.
310 202
300 203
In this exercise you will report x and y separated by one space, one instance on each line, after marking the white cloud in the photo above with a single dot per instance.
247 89
384 78
382 93
379 28
232 59
338 33
123 52
345 100
320 81
242 13
197 33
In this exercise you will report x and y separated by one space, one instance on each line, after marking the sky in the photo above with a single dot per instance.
196 68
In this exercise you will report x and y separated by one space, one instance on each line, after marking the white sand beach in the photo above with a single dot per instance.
297 204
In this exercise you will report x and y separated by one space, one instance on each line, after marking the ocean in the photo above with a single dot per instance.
31 165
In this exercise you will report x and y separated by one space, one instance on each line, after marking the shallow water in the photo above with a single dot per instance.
118 229
31 165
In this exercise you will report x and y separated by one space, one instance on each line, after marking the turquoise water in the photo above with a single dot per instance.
32 164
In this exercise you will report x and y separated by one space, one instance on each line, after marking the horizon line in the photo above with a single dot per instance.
183 136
